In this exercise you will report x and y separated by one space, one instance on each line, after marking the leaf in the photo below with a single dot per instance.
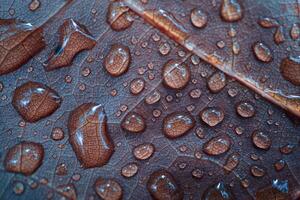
153 40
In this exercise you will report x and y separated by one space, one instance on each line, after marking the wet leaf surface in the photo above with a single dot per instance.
234 72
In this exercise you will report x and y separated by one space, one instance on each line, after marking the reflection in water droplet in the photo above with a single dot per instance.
108 189
231 10
119 17
261 140
198 18
217 145
262 52
137 86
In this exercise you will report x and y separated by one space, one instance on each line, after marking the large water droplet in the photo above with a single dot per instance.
119 17
262 52
245 109
25 158
212 116
216 82
35 101
198 18
117 60
143 151
176 75
219 191
88 135
134 123
162 185
290 69
231 10
217 145
108 189
261 140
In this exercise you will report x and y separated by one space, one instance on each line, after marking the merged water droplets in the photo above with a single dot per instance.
212 116
134 123
262 52
261 140
24 158
117 60
143 151
199 18
88 135
108 189
35 101
177 124
176 75
162 185
119 17
217 145
290 69
231 10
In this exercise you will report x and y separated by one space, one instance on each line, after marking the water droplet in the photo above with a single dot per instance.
262 52
34 5
268 22
108 189
279 35
219 191
236 48
57 134
232 162
239 130
212 116
68 191
257 171
25 158
198 18
156 113
153 97
117 60
76 177
261 140
195 93
231 10
177 124
18 188
164 48
279 165
287 149
245 109
176 75
119 17
86 71
155 37
88 135
295 31
143 151
162 185
221 44
278 190
245 183
137 86
61 169
217 145
290 69
35 101
216 82
197 173
129 170
134 123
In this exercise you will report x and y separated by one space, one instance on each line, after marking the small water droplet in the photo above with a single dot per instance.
61 169
198 18
295 31
134 123
18 188
143 151
137 86
68 191
195 93
164 48
279 165
245 109
129 170
279 35
290 69
197 173
212 116
232 162
34 5
153 97
219 191
257 171
217 145
108 189
287 149
216 82
57 134
268 22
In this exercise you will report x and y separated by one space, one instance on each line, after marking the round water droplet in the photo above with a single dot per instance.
278 190
217 145
134 123
164 48
216 82
117 60
177 124
25 158
195 93
176 75
295 31
137 86
198 173
153 97
219 191
212 116
262 52
57 134
231 10
119 17
18 188
34 5
279 35
108 189
143 151
129 170
245 109
290 69
257 171
198 18
162 185
261 140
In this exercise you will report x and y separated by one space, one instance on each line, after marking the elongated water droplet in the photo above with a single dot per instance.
24 158
295 31
245 109
88 135
143 151
262 52
134 123
279 35
177 124
119 17
217 145
219 191
117 60
261 140
231 10
162 185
